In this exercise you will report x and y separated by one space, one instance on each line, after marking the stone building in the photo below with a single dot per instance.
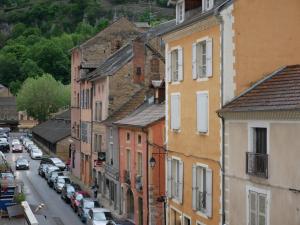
8 112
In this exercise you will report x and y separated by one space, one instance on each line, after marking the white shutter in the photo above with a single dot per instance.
169 177
253 207
168 66
194 61
262 209
209 49
211 4
202 112
175 112
180 186
180 64
203 5
209 191
194 190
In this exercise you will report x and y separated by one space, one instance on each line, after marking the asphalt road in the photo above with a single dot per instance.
37 191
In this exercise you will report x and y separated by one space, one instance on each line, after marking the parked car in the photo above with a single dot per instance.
36 153
66 193
3 135
85 205
4 147
22 164
49 170
54 161
27 143
17 148
99 216
42 169
3 139
52 177
31 146
76 198
15 142
60 182
2 156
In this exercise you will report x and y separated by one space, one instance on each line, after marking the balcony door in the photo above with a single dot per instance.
260 140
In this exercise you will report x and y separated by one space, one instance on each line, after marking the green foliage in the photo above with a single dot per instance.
42 96
20 198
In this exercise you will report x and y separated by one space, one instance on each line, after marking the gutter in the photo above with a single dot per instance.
147 171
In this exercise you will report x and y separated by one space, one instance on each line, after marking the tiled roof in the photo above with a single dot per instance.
131 105
113 63
144 116
278 91
55 129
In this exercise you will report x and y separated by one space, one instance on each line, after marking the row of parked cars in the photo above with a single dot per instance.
53 171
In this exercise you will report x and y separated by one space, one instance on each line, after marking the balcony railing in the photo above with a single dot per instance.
257 164
201 201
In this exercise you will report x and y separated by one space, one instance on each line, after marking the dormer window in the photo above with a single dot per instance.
207 5
180 12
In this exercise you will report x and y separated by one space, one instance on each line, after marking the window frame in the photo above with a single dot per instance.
257 124
205 3
180 12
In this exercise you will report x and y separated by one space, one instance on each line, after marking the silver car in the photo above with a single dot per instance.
99 216
49 170
60 182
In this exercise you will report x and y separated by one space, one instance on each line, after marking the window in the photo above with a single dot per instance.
175 111
207 5
111 132
128 158
202 59
154 65
138 71
85 129
175 217
127 137
257 207
175 179
186 220
139 139
97 143
174 61
98 111
139 164
180 12
260 140
202 112
111 152
202 189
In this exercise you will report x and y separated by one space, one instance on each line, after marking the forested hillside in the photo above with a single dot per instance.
36 35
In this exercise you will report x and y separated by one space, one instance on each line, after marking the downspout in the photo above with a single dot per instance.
91 106
147 170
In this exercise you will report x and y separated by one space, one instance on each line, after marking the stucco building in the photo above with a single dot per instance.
262 151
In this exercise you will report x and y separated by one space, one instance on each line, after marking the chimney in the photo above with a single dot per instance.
159 91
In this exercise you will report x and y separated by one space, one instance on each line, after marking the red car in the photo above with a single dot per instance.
76 197
17 148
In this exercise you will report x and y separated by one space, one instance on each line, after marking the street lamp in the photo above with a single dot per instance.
152 162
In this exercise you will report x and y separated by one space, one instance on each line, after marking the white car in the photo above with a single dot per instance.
99 216
27 143
15 142
36 153
3 140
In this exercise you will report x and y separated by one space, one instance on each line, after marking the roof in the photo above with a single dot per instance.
276 92
195 16
144 116
55 129
113 63
131 105
8 101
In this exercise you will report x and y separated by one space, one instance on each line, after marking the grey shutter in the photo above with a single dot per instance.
169 177
175 112
262 209
211 4
194 189
180 64
203 5
168 66
194 61
180 186
209 55
202 112
253 207
209 191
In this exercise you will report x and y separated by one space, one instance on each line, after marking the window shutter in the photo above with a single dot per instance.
180 64
194 190
202 112
194 61
81 99
180 192
168 66
175 112
209 191
211 4
169 177
203 5
252 198
209 48
262 209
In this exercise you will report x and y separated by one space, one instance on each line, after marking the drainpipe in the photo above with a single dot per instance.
91 105
147 170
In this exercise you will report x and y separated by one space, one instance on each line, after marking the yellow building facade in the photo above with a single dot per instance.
193 127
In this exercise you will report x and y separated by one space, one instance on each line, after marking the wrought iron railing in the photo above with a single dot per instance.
257 164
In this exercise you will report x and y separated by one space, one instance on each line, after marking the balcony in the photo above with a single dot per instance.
201 201
257 164
127 177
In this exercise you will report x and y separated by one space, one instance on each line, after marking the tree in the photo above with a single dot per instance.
41 96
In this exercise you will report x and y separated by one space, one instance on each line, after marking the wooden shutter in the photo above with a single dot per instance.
169 177
209 191
175 112
194 61
180 64
168 66
194 189
180 186
209 48
202 112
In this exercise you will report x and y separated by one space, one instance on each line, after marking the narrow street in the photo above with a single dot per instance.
37 191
